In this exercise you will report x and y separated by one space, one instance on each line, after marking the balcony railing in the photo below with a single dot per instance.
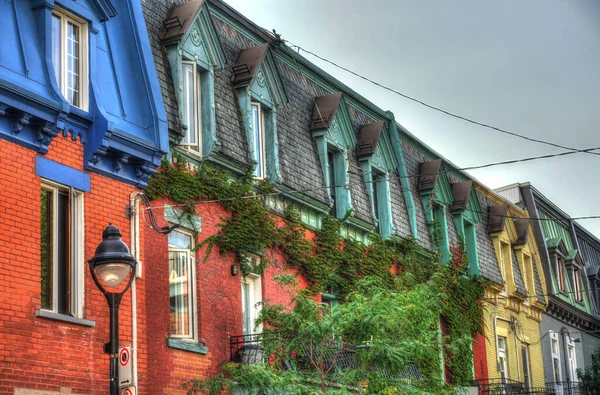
248 349
570 388
509 387
506 387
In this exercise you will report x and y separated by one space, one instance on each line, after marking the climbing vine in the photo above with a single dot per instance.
329 261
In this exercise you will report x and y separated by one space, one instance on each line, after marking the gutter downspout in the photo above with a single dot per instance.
134 219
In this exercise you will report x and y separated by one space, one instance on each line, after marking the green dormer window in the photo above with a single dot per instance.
260 92
192 108
258 133
194 54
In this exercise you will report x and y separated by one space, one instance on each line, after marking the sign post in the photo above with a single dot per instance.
125 368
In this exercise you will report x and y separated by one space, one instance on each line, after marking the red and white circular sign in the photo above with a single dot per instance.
124 357
127 391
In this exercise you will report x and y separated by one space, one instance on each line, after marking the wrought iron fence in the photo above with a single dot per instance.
570 388
510 387
246 349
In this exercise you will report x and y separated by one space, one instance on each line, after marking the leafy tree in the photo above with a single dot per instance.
590 376
362 346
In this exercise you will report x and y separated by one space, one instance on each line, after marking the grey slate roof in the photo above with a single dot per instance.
539 290
488 262
155 11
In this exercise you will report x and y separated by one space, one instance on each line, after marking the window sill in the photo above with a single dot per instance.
64 318
194 347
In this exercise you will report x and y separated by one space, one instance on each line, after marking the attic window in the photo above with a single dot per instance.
69 57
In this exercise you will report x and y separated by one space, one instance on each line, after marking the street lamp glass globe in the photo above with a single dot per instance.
112 274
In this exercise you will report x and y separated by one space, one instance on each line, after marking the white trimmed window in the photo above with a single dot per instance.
502 357
251 298
258 133
192 115
61 249
572 359
70 57
182 286
555 350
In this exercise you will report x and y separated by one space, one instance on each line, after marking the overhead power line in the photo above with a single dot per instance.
435 108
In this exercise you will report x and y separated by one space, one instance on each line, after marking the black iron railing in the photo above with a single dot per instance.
510 387
570 388
246 349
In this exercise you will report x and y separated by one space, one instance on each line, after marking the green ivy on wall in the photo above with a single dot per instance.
328 260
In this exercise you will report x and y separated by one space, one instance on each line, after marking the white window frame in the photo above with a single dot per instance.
194 148
76 241
555 355
572 358
65 19
502 356
254 283
259 139
192 300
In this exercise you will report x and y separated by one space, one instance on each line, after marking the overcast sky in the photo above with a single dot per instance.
531 67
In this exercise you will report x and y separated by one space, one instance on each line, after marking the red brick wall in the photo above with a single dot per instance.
219 304
37 352
479 357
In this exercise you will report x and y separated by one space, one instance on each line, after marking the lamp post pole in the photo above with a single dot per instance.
110 266
113 346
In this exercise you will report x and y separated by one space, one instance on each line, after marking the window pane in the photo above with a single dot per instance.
46 250
56 48
180 240
257 132
188 103
180 295
63 272
73 64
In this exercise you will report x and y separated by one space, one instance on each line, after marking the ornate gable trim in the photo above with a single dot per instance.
256 69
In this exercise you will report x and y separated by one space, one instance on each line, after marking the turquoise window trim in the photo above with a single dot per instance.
245 100
436 213
381 190
342 194
468 233
194 50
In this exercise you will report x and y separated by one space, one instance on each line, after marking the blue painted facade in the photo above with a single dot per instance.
123 123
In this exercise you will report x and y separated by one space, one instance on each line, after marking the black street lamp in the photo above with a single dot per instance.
110 266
